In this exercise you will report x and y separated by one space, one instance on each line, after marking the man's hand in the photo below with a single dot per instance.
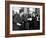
18 24
30 19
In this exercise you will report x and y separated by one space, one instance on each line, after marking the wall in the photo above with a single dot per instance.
2 19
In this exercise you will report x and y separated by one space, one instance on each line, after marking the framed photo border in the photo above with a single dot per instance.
7 18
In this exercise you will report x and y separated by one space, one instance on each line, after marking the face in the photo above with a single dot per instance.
33 14
21 14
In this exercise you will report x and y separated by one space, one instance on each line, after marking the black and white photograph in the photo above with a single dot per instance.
26 18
